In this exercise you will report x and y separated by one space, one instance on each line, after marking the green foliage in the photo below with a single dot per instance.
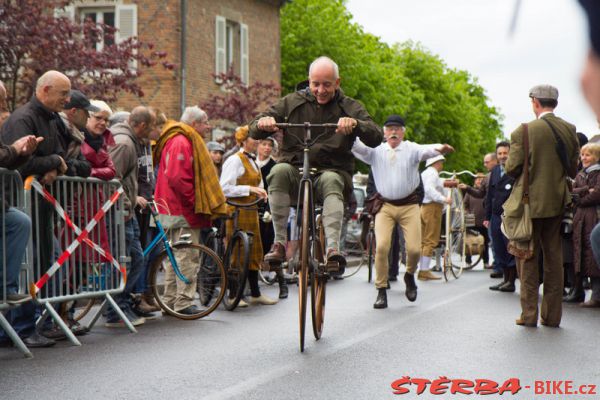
439 104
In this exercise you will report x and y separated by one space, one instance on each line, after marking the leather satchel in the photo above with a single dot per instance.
373 204
516 224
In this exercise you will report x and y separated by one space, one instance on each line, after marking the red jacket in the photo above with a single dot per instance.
174 193
102 165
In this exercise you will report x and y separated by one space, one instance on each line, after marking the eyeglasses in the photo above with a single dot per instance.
100 118
392 128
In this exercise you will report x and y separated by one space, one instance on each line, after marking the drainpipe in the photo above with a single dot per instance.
183 43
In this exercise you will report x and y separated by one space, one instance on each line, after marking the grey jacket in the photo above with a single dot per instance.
125 154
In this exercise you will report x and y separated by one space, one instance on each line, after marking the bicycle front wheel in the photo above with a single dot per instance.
237 261
201 267
318 281
304 261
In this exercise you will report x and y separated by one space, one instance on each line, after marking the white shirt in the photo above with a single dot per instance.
395 171
232 170
434 186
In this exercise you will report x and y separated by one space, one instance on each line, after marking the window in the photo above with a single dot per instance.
231 48
100 16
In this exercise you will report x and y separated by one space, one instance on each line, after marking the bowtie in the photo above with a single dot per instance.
250 155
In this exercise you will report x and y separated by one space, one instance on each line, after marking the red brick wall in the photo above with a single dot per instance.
159 22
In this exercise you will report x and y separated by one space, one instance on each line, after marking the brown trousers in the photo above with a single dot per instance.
431 227
546 236
385 221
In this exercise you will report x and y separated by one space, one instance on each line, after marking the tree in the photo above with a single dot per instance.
439 104
33 41
239 103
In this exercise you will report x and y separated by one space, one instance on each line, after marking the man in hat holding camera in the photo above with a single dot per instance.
553 156
395 167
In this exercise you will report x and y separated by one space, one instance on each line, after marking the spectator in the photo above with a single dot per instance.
475 206
130 139
118 117
4 114
74 117
586 191
499 188
40 117
196 118
395 167
187 194
241 179
553 150
431 214
322 102
216 151
265 162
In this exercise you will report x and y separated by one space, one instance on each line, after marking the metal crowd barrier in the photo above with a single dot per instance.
11 195
78 247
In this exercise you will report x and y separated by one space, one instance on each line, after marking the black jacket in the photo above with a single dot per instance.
35 119
498 190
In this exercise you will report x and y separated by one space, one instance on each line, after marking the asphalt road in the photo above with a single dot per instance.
458 330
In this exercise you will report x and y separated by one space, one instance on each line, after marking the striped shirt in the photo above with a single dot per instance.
395 171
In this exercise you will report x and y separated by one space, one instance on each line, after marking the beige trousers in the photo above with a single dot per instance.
431 227
409 219
178 293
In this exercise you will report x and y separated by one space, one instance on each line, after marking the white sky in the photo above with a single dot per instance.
548 46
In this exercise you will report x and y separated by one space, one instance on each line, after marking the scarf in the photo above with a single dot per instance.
209 198
95 142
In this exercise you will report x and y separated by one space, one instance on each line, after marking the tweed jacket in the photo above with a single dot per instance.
548 191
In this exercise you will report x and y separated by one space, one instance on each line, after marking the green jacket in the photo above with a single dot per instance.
548 190
331 152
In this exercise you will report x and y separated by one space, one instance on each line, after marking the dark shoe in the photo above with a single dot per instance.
381 301
591 303
137 310
276 255
543 322
191 310
54 333
436 268
575 297
393 278
337 277
283 291
334 256
507 287
496 275
411 287
16 298
521 322
77 328
37 340
498 286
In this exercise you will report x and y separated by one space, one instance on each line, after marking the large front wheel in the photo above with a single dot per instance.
304 261
318 281
203 270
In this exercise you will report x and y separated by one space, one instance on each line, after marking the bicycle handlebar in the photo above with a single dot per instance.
448 173
306 125
244 205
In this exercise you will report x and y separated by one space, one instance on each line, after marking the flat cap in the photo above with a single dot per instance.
394 120
544 92
215 146
78 100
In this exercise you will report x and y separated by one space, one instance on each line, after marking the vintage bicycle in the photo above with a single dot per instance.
310 263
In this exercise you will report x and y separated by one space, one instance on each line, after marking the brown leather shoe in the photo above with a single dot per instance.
427 276
334 256
276 255
522 322
543 322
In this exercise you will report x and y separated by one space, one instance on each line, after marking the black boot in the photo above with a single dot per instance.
283 288
509 285
411 286
577 294
381 301
505 274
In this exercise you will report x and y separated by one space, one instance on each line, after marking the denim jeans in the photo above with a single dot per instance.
16 227
136 265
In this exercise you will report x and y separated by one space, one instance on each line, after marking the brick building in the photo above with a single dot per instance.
202 37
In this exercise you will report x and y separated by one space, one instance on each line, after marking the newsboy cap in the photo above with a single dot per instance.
215 146
78 100
394 120
544 92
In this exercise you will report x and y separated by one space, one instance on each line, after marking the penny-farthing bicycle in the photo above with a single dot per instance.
311 261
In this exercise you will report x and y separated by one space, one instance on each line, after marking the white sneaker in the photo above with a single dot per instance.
262 299
242 304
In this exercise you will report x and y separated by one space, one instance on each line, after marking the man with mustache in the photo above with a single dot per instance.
395 167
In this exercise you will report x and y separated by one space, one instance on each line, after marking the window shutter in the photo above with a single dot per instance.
125 21
67 12
244 64
220 38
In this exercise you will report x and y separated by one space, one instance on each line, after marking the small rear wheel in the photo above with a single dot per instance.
318 281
